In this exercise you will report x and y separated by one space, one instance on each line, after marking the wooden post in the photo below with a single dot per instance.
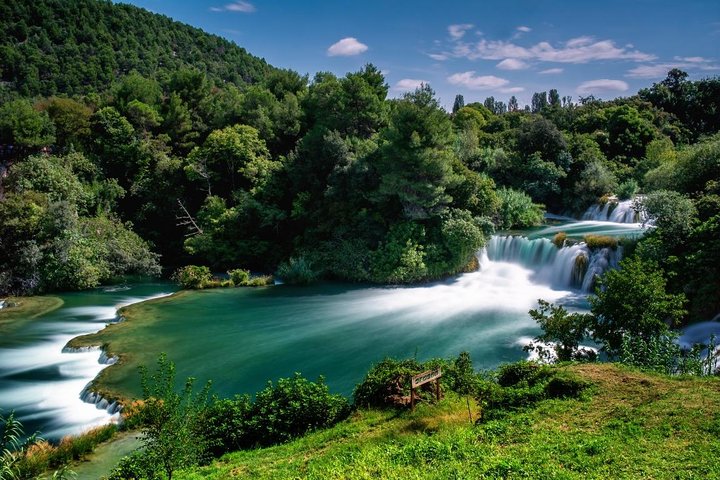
437 389
412 399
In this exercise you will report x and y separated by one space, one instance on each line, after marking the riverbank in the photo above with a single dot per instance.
109 339
18 310
632 425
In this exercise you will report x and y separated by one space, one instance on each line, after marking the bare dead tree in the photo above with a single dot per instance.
188 221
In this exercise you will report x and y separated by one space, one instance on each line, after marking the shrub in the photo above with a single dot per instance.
517 210
260 281
522 384
239 276
192 276
385 380
134 466
292 407
559 239
226 425
627 189
600 241
297 271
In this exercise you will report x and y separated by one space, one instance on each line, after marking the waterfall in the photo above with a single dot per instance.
575 266
615 211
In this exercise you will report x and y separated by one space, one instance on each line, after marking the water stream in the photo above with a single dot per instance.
240 338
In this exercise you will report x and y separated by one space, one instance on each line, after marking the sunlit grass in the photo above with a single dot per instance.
633 425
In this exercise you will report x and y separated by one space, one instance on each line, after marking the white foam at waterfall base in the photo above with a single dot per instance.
497 286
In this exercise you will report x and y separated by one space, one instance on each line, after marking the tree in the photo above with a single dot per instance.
513 104
416 162
170 419
231 158
633 302
24 127
565 330
458 103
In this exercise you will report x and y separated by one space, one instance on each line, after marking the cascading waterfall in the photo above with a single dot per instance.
575 266
615 211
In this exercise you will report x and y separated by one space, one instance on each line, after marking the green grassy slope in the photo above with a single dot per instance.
633 425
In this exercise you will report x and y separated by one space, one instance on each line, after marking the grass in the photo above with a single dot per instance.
24 309
634 425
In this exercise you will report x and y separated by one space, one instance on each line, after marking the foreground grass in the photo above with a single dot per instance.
24 309
634 425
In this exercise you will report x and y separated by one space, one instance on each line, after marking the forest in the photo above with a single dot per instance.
175 147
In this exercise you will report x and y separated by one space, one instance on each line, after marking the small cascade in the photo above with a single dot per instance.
614 211
93 398
575 266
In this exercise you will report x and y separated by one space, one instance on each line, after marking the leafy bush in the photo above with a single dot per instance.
134 466
192 277
627 189
292 407
226 425
383 380
522 384
297 271
600 241
517 210
239 276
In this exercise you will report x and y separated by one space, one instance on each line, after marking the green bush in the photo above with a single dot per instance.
134 466
239 276
297 271
292 407
383 380
192 277
627 189
517 210
521 385
226 425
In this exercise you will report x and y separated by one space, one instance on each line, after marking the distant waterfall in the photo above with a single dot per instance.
613 211
574 266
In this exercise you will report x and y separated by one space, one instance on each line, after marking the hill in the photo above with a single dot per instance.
632 425
82 46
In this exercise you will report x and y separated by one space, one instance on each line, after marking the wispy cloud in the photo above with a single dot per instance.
512 64
524 29
474 82
601 86
576 50
659 70
239 6
408 84
458 31
346 47
512 90
438 56
552 71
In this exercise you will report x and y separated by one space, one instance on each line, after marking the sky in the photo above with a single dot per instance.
481 48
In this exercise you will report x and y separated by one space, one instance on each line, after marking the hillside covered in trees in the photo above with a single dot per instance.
124 133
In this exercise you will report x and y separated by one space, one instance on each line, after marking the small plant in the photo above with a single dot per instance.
559 239
600 241
297 271
192 277
627 189
239 276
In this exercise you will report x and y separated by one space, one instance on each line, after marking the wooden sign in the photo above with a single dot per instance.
425 377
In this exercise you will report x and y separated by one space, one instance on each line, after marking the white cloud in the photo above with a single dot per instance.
524 29
458 31
239 6
552 71
576 50
512 64
602 85
409 84
512 90
346 47
438 56
660 70
473 82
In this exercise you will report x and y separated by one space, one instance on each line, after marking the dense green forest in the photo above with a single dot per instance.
160 145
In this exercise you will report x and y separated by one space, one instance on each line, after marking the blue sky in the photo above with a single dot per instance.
476 48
